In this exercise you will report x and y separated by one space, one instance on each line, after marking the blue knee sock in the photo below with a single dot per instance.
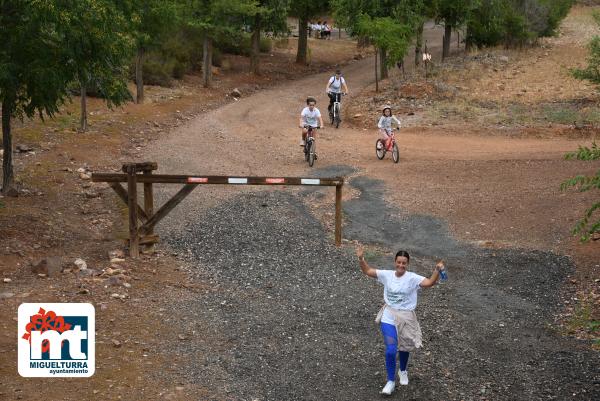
403 360
390 337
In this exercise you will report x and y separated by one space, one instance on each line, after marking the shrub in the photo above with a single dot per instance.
157 72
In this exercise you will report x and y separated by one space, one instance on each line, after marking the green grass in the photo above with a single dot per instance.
583 320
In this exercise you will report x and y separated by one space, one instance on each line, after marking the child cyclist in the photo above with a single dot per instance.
311 116
385 124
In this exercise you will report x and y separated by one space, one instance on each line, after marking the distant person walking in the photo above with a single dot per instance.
399 324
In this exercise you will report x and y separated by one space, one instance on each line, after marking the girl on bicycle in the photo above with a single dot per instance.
385 124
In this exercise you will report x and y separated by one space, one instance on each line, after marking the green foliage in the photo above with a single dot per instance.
514 22
586 226
151 20
99 28
387 34
158 71
452 12
592 71
240 44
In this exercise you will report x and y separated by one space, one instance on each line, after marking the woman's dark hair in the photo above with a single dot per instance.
311 99
403 253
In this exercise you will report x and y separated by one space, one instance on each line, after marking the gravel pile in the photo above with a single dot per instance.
288 316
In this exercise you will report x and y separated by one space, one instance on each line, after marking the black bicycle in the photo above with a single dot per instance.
310 145
335 113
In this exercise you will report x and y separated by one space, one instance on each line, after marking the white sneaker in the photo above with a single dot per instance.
302 143
389 388
403 375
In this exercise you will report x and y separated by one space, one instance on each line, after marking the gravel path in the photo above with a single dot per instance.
293 316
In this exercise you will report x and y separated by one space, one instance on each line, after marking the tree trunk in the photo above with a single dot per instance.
255 50
419 45
376 71
7 167
447 36
302 40
468 40
207 61
383 63
139 79
83 121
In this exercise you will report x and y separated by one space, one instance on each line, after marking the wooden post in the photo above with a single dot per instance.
134 248
149 205
338 215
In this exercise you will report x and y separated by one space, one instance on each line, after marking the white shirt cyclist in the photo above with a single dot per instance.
335 85
310 117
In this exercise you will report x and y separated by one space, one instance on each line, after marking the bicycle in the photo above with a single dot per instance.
381 149
336 111
310 146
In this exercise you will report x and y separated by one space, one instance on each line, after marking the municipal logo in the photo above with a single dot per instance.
56 340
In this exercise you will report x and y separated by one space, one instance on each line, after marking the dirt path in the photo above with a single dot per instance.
288 315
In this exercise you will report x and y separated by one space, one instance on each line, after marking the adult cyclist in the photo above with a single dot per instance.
335 86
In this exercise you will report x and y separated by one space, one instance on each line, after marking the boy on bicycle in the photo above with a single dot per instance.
334 87
385 124
310 116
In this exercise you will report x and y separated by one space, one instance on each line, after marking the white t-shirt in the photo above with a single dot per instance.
398 292
335 85
311 117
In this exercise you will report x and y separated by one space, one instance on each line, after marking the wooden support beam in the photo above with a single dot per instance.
134 249
143 167
122 192
166 208
338 215
149 203
147 240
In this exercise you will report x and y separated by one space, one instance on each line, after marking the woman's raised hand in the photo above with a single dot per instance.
360 252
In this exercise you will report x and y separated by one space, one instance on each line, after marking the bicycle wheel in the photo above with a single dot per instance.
380 149
395 153
312 153
337 116
306 149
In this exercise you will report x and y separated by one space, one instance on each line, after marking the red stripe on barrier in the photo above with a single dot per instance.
196 180
275 180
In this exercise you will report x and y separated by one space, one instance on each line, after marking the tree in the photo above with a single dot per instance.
271 15
384 22
100 28
218 17
151 20
305 10
586 227
38 62
453 13
414 13
387 35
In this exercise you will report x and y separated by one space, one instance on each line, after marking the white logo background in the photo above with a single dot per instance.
56 367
